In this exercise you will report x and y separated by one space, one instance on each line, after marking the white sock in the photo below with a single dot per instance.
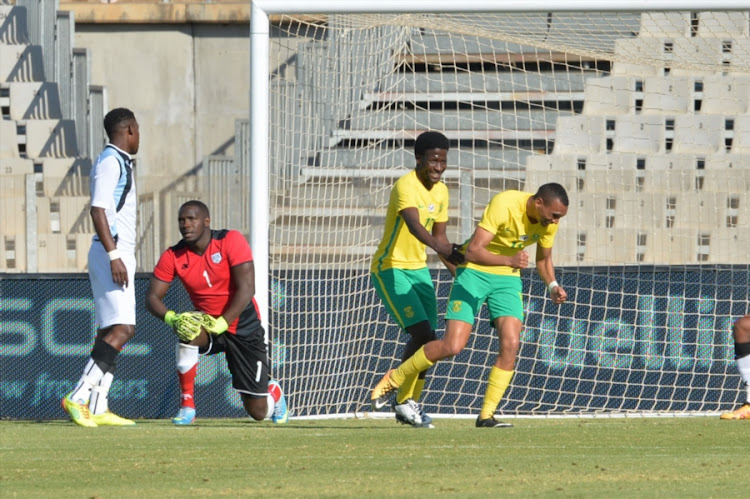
99 403
187 357
90 378
271 406
743 364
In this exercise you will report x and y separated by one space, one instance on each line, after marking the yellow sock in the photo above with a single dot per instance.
497 383
413 365
411 389
418 387
406 390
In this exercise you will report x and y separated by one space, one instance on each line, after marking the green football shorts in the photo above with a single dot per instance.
472 288
408 295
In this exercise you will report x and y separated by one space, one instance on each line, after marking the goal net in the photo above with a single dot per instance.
643 117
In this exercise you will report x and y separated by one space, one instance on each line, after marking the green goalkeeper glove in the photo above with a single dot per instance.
187 325
215 325
170 317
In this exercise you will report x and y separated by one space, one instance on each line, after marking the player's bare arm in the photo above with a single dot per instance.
243 277
101 226
157 290
546 270
411 218
477 252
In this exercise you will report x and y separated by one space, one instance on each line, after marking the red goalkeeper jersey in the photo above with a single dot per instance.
207 278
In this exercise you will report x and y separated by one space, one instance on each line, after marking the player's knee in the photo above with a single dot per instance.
510 344
451 348
742 330
256 408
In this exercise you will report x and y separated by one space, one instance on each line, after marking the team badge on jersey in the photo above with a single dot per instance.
456 305
216 257
431 207
409 312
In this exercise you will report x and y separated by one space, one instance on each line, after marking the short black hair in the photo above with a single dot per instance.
117 118
552 191
198 204
430 140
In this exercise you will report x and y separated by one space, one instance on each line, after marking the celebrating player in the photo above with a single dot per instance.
495 254
111 263
742 354
416 218
216 269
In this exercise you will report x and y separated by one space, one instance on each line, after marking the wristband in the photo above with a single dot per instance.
114 254
169 317
552 286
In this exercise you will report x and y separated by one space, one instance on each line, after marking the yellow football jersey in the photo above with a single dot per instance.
505 217
399 248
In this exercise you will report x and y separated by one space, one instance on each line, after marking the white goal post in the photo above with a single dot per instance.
641 109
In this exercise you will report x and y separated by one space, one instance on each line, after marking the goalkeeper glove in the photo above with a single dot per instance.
215 325
170 317
187 325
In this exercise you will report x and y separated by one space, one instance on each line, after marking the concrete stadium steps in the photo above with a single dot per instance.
65 176
459 120
554 29
63 252
463 85
32 100
13 28
66 215
9 140
13 207
327 231
403 158
13 252
48 138
20 62
725 94
13 177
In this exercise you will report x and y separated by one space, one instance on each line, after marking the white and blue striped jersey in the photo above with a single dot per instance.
113 189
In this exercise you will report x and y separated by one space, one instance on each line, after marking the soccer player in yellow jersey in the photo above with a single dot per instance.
742 356
416 218
495 255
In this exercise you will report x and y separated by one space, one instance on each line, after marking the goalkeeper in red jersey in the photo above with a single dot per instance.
216 269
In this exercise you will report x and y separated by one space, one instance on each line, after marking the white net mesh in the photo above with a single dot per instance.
643 117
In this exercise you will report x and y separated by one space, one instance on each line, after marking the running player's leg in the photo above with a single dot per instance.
742 356
505 305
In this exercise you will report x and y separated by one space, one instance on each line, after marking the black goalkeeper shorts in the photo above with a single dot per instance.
247 359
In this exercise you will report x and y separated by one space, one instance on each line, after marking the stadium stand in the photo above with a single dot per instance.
45 119
638 148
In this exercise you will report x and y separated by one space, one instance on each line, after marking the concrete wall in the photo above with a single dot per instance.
186 83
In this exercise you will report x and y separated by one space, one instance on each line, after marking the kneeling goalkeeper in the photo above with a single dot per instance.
216 269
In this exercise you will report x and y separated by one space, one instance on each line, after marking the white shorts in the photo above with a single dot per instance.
113 304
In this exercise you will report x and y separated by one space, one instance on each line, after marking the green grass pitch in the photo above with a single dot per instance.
599 457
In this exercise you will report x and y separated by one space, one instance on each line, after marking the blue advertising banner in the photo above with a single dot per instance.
630 340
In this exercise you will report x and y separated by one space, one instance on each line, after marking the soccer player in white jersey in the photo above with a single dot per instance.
111 264
742 355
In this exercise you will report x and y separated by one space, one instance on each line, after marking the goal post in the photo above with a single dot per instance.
640 109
